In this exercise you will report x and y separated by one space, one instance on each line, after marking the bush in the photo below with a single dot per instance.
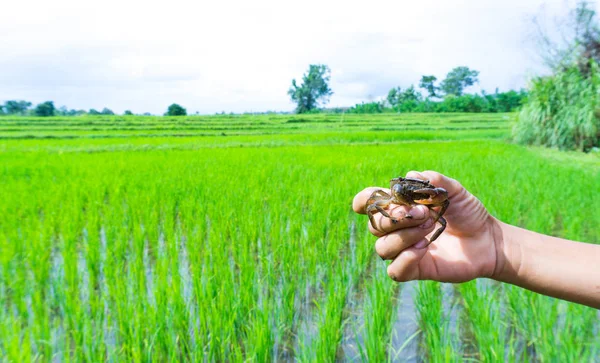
45 109
176 110
371 107
562 110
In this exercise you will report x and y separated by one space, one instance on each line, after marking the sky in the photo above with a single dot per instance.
241 56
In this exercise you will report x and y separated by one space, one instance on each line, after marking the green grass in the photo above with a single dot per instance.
245 247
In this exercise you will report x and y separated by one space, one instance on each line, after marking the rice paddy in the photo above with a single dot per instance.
232 238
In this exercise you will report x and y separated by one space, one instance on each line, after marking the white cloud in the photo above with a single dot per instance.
240 56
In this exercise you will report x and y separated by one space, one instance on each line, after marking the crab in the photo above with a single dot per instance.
410 192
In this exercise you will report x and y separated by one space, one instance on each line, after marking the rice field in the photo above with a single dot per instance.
232 238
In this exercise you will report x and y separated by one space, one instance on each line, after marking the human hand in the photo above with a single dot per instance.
469 248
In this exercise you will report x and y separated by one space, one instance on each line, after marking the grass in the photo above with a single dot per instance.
245 247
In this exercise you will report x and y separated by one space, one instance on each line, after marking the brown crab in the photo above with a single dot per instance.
410 191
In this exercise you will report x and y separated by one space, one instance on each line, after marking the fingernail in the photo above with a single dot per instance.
418 212
427 224
422 244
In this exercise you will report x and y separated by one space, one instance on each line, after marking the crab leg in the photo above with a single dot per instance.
444 207
376 202
438 218
437 233
378 206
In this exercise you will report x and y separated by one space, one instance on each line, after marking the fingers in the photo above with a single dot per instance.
360 200
406 266
404 215
452 186
392 244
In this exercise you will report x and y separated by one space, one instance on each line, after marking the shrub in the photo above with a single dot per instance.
45 109
562 110
176 110
371 107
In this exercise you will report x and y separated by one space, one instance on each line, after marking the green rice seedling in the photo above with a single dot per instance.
434 323
379 317
486 321
245 247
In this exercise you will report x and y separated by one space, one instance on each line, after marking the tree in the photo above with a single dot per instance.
16 107
128 113
410 95
176 110
393 97
45 109
94 112
403 100
107 111
428 83
62 111
574 39
74 112
314 88
458 79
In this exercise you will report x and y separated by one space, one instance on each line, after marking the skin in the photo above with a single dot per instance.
476 245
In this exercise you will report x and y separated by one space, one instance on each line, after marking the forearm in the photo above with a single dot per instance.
548 265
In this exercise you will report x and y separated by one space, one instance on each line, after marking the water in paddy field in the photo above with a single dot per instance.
405 333
406 341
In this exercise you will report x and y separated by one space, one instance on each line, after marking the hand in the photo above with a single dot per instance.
470 247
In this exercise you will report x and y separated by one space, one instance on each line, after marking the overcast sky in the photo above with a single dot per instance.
212 56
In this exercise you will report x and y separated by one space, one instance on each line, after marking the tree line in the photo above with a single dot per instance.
314 91
447 96
47 109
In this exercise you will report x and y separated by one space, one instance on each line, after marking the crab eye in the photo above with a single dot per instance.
398 188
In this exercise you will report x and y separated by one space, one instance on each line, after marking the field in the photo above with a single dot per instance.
231 238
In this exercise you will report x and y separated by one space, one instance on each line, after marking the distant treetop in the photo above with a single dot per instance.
15 107
45 109
458 79
176 110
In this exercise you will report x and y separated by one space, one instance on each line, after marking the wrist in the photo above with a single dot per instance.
508 253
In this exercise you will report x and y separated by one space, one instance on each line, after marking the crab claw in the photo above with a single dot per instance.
436 195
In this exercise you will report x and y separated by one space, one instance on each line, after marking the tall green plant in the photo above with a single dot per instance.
562 110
